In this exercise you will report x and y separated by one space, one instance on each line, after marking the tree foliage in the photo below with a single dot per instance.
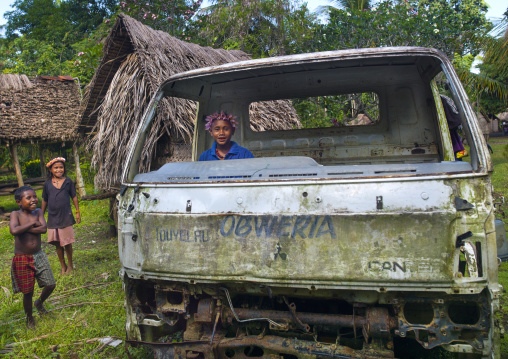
64 37
454 27
336 110
47 37
259 27
57 21
176 17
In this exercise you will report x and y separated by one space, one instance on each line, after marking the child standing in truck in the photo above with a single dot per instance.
222 127
454 123
29 262
56 193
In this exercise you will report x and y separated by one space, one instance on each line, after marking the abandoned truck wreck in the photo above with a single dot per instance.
355 236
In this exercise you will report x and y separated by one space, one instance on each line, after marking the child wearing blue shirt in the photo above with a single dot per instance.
222 127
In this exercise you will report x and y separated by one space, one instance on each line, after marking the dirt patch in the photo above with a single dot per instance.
92 235
497 195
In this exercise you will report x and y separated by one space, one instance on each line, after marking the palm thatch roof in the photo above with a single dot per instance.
13 82
503 116
137 59
40 109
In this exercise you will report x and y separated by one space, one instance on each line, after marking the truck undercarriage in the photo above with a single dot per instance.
185 320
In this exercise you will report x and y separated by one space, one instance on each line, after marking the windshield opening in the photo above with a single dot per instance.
340 123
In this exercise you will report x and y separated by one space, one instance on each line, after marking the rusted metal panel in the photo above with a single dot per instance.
277 248
58 78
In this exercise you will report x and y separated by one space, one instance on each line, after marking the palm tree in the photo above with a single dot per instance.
495 51
346 5
260 27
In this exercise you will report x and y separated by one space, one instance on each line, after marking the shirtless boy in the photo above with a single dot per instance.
29 262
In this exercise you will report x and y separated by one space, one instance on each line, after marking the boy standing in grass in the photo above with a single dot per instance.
29 262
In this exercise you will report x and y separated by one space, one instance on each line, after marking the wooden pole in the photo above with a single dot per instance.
41 158
79 178
15 161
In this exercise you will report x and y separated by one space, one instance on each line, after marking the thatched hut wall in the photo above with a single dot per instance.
137 59
40 109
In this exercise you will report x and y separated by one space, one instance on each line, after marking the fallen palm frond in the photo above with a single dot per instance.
97 350
69 292
7 292
83 342
11 345
137 59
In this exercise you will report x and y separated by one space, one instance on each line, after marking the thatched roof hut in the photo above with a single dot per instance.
503 116
137 59
40 109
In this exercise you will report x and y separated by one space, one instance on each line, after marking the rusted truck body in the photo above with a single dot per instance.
350 240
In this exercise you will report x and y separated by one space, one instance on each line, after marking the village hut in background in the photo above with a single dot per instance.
137 59
503 122
499 121
38 110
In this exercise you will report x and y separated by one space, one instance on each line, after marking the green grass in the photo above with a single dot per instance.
500 184
503 314
96 262
500 162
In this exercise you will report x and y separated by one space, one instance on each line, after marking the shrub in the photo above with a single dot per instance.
32 169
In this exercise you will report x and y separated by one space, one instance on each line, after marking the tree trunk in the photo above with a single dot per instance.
104 195
79 178
15 161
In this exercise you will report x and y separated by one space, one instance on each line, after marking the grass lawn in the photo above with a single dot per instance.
500 183
85 305
89 304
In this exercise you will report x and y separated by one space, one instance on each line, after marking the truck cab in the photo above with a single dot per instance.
357 233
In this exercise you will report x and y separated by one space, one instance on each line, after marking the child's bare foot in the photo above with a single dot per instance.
30 323
40 307
64 269
69 270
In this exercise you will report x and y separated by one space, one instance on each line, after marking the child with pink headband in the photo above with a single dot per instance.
56 193
222 127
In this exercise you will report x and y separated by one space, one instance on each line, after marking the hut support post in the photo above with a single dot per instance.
79 178
15 161
41 158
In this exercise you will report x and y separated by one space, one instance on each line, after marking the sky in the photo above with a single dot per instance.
497 7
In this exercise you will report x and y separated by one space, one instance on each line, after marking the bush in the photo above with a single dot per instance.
32 169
